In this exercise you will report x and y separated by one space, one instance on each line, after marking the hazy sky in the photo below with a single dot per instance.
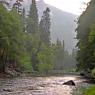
72 6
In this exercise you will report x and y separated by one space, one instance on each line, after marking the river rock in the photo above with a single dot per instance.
70 82
8 90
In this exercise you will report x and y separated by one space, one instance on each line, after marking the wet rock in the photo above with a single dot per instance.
8 90
11 72
70 82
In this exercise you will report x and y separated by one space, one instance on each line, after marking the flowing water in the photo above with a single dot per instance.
38 85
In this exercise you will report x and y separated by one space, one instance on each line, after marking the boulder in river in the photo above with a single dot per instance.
70 83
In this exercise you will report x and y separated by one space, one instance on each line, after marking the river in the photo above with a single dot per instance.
38 85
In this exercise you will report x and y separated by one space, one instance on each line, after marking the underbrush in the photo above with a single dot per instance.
81 89
90 91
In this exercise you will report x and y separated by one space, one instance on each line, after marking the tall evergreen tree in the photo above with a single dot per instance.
32 31
44 27
32 26
59 56
23 15
18 6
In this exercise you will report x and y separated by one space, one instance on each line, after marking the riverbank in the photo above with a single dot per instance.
35 74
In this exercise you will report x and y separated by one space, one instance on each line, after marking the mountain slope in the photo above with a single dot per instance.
62 25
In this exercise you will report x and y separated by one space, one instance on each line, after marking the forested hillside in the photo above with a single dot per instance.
25 42
86 40
59 28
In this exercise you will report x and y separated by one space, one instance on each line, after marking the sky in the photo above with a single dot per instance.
71 6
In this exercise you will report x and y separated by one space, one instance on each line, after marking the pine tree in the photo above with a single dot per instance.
32 26
32 30
45 27
24 19
58 43
18 6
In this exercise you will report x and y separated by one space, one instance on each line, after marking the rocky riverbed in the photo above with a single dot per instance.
39 85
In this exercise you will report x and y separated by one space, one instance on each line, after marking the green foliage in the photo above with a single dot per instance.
33 39
59 56
45 57
12 39
27 45
86 39
90 91
79 91
44 68
92 34
93 73
24 62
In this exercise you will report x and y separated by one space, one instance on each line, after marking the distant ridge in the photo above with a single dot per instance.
63 25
